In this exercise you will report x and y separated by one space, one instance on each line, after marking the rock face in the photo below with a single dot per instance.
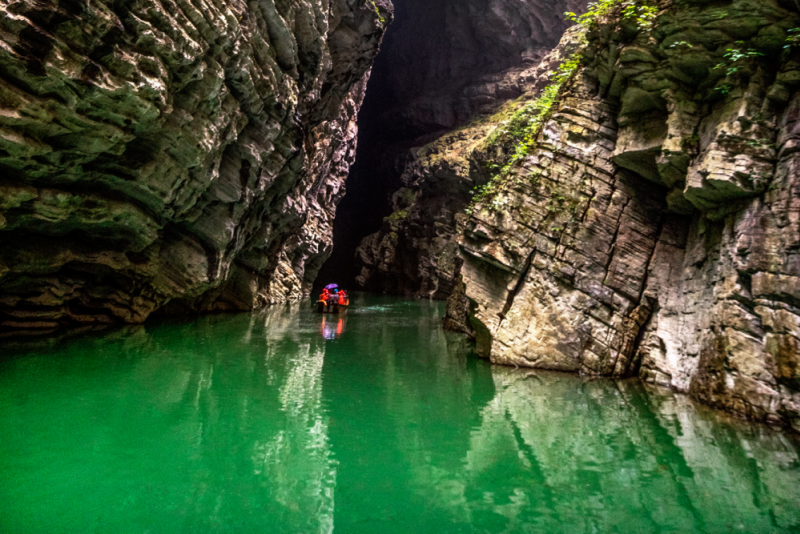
190 155
416 251
445 57
653 231
449 63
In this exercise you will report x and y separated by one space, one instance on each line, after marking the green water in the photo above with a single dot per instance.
278 423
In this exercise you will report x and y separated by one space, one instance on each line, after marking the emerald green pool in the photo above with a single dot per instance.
377 422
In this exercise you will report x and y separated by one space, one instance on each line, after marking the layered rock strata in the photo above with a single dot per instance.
416 251
653 230
186 154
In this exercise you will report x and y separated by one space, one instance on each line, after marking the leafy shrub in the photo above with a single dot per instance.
734 59
735 56
643 15
639 12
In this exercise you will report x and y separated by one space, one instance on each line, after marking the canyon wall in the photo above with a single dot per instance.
416 251
445 58
445 64
178 156
652 229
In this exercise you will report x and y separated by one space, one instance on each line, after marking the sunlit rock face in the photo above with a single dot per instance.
654 230
187 154
416 250
448 62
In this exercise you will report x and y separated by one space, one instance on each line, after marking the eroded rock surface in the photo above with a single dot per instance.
186 154
415 251
654 229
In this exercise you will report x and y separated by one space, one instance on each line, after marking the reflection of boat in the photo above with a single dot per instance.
332 329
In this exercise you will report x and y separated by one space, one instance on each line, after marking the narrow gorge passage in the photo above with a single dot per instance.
442 65
575 228
649 159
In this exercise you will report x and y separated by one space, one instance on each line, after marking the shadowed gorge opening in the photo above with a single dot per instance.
612 203
436 71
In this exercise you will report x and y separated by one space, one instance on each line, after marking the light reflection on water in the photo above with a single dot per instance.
333 326
373 421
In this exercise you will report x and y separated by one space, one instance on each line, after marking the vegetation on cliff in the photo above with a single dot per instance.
639 216
520 131
647 232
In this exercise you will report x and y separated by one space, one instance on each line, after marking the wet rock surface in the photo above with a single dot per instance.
658 238
653 230
182 157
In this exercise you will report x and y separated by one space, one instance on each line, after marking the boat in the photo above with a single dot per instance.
332 302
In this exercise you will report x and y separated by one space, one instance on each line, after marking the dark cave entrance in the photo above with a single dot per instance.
367 202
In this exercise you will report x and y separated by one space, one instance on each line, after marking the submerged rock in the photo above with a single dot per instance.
189 155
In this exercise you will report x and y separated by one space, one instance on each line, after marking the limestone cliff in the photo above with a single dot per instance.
188 154
652 229
416 251
446 57
448 63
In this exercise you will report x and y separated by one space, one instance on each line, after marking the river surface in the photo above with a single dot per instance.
374 422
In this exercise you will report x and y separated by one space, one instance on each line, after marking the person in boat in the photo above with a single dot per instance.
324 298
333 297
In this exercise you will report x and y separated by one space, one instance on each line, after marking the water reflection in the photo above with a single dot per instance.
214 425
430 439
296 461
627 459
333 326
259 423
